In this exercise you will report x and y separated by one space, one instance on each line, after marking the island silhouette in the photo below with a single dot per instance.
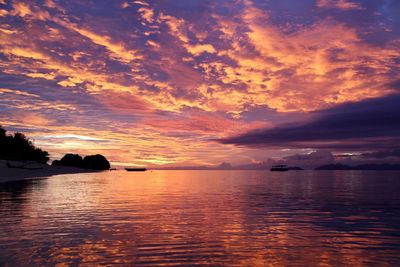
18 147
21 153
362 167
93 162
20 158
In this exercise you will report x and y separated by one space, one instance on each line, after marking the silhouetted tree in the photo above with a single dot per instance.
71 160
18 147
96 162
2 133
93 162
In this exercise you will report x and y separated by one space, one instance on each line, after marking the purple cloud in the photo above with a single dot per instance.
373 119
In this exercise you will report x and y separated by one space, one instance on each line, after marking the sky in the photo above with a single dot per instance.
198 82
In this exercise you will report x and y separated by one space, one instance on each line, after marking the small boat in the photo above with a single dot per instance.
136 169
279 168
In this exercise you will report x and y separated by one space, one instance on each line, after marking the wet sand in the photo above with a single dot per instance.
13 174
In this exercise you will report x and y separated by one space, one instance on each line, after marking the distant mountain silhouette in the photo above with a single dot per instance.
339 166
336 166
19 148
224 166
194 168
93 162
227 166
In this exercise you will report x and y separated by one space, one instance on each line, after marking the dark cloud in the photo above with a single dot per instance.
395 153
363 122
310 160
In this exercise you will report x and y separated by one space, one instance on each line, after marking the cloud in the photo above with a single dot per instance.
21 100
3 13
382 154
339 4
147 14
245 60
185 72
317 66
21 9
374 120
118 50
47 76
4 91
200 48
202 123
315 158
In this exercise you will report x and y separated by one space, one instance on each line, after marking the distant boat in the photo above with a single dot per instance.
279 168
136 169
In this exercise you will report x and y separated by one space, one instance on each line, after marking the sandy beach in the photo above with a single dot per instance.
13 174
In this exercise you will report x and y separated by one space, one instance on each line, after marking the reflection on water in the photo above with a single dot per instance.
214 218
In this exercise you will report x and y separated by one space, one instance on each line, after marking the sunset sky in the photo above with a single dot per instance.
198 82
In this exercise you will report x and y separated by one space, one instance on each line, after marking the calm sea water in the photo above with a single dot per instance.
205 218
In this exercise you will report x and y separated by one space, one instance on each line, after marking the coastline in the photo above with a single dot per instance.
10 174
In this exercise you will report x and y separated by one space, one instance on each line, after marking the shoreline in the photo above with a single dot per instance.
10 174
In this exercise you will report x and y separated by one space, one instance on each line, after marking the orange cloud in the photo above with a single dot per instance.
307 70
21 9
179 29
167 73
340 4
118 51
16 92
200 48
147 14
47 76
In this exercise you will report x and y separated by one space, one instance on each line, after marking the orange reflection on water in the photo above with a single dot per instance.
231 218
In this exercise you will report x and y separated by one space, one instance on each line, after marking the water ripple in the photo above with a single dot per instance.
209 218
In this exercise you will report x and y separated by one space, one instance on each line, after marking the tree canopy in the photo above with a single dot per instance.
93 162
19 147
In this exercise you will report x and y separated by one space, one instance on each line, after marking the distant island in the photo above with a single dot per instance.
371 167
228 167
19 159
93 162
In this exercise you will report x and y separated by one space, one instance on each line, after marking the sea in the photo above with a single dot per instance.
202 218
